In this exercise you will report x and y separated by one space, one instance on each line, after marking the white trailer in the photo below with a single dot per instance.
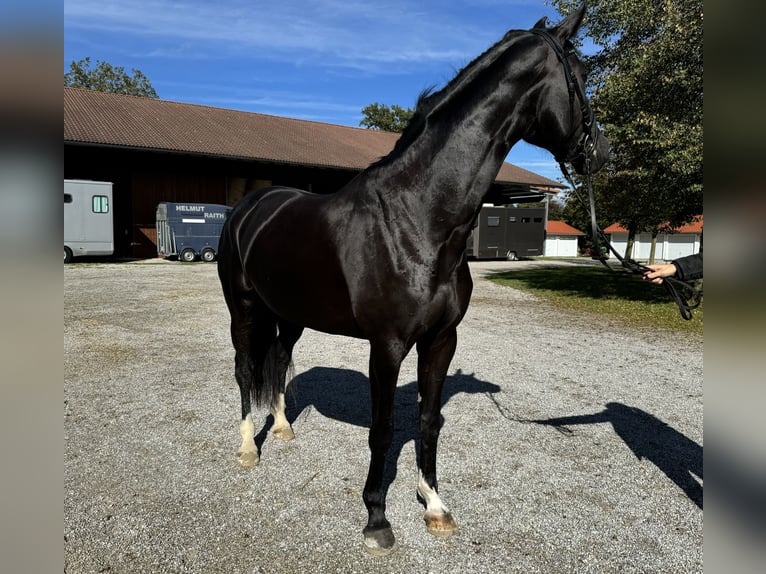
88 218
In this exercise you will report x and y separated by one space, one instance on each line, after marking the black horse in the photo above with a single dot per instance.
383 258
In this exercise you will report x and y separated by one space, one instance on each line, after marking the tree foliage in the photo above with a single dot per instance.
104 77
385 118
646 88
555 210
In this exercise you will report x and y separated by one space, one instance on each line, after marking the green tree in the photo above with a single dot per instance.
107 78
646 88
555 209
385 118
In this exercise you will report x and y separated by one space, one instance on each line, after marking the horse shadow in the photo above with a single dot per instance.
344 395
679 457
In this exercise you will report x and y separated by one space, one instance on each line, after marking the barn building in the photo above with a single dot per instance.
155 150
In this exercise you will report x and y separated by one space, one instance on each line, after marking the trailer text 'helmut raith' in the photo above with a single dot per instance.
190 231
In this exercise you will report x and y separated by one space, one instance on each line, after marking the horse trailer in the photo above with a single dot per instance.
88 218
507 233
190 231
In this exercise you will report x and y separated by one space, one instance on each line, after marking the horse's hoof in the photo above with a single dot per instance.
379 542
283 433
247 459
440 524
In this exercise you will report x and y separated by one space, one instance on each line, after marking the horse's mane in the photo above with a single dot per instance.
430 100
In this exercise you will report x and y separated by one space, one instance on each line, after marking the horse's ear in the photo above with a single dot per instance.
541 23
568 27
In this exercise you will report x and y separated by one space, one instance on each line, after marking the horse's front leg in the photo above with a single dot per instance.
434 357
385 361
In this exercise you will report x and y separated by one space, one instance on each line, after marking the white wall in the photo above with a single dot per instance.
669 245
560 246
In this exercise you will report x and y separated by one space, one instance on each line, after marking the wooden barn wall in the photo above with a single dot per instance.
143 179
149 189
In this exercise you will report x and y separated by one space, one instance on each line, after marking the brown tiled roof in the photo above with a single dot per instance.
555 227
100 118
694 227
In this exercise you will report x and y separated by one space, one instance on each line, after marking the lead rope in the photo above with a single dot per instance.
685 295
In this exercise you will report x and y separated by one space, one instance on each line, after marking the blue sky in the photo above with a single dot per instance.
320 60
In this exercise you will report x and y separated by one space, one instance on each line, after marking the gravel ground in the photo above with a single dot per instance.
151 413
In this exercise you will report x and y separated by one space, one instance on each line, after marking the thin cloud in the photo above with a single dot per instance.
280 102
337 33
274 102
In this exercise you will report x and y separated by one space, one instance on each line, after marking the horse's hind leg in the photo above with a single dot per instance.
254 337
253 331
247 453
288 336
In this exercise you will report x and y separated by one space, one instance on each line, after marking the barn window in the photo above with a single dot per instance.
67 198
100 204
493 221
525 220
538 219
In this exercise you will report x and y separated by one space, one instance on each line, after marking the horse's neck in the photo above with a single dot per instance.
447 170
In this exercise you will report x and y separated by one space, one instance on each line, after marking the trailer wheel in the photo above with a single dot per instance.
511 256
188 255
207 255
67 254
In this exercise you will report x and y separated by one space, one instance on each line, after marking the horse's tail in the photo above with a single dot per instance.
270 371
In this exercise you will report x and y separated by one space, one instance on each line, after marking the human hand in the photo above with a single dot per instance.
659 271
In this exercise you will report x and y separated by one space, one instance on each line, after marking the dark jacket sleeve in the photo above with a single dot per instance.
689 267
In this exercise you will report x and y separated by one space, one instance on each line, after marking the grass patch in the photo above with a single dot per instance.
597 290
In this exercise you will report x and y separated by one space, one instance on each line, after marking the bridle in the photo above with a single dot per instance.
686 296
587 142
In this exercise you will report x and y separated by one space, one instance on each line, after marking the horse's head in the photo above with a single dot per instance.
564 123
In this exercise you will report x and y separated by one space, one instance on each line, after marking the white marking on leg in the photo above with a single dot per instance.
281 428
247 455
434 504
438 519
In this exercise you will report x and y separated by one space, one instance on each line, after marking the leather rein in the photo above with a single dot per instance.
686 295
